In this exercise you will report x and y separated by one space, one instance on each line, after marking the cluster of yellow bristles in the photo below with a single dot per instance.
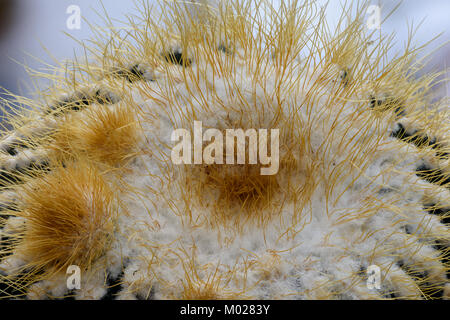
91 165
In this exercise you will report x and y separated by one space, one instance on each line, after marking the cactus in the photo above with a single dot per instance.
363 180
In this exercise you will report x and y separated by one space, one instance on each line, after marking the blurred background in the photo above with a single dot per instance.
34 28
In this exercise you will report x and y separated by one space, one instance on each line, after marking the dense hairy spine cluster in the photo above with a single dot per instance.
107 135
87 178
66 217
